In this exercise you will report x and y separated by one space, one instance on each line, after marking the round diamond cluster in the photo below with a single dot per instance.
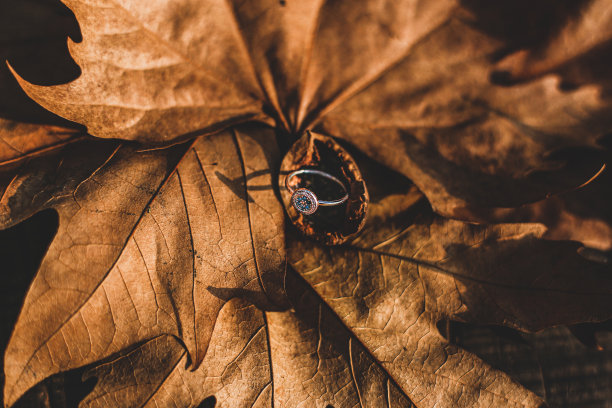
303 204
304 201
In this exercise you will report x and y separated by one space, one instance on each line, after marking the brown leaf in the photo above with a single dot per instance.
164 70
420 81
408 271
213 67
463 140
301 358
43 164
19 141
352 47
161 252
581 215
133 216
235 371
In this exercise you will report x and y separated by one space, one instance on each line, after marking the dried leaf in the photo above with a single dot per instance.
19 141
303 358
352 47
408 271
581 215
465 142
182 75
43 164
168 273
173 82
139 210
156 373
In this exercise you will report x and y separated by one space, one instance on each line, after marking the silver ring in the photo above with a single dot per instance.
304 200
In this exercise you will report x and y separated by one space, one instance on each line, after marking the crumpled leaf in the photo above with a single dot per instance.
155 243
409 270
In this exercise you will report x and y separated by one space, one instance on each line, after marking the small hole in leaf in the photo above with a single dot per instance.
329 406
209 402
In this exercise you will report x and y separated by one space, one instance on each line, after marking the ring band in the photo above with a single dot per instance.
304 200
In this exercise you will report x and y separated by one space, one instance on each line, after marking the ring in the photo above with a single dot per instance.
304 200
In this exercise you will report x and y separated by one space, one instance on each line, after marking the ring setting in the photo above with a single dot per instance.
304 200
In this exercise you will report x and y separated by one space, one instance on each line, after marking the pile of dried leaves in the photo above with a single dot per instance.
481 130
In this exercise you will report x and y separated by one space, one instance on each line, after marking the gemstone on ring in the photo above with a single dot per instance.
305 201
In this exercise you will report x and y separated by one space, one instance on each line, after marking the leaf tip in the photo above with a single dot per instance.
29 88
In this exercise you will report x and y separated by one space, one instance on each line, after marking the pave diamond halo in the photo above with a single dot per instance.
305 201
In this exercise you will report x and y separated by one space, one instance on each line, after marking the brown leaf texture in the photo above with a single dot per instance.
22 140
141 209
33 172
408 271
181 75
174 277
300 358
464 141
164 70
416 74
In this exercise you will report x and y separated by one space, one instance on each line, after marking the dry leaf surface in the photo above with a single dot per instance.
410 269
168 274
128 202
397 281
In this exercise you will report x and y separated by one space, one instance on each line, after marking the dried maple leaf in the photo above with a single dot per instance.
411 269
315 360
126 199
465 142
168 271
